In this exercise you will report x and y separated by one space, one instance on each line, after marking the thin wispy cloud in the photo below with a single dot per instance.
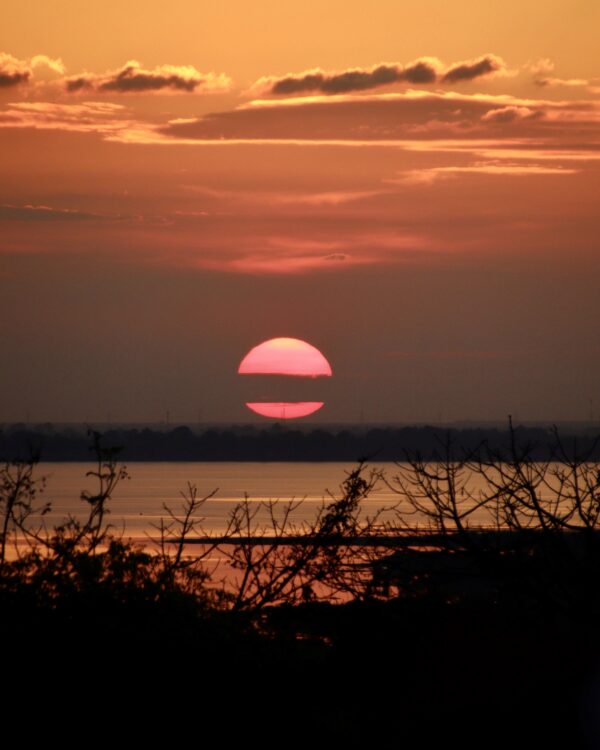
512 113
286 197
29 212
567 82
295 255
543 72
431 175
35 212
87 117
293 264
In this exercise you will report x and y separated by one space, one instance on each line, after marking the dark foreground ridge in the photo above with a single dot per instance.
277 443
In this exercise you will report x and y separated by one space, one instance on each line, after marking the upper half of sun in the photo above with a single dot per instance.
285 356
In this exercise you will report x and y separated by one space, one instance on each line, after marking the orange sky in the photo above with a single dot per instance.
411 187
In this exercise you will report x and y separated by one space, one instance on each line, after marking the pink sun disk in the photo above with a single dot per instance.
285 356
285 410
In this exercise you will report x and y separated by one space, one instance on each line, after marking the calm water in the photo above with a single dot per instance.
137 502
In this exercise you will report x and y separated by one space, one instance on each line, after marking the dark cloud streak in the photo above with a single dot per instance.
12 71
425 70
13 79
133 79
467 71
421 71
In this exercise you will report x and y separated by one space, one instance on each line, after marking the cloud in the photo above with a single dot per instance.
484 125
227 246
511 114
336 257
470 69
542 76
132 78
286 198
291 255
412 120
292 264
12 71
316 199
568 82
268 242
425 70
87 117
540 68
373 118
55 64
297 245
428 176
30 212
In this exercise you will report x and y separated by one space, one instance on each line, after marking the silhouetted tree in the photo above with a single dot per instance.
537 531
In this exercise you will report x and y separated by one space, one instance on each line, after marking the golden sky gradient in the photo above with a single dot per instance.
412 187
248 40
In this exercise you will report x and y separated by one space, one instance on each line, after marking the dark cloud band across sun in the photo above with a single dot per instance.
425 70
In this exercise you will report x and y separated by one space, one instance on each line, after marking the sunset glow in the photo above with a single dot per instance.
393 183
327 275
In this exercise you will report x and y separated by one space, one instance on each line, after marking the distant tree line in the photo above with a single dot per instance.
278 443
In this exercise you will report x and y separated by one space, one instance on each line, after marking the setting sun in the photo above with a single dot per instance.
285 356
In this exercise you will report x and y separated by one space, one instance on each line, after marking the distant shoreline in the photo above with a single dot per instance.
276 443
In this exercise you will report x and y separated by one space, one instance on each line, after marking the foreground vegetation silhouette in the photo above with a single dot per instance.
470 610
